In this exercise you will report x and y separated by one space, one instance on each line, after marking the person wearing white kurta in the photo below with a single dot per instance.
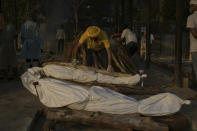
60 37
130 41
143 45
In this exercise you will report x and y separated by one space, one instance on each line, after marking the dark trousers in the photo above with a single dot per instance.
30 62
131 48
102 53
60 46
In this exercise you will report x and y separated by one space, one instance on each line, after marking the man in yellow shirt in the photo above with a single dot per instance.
97 41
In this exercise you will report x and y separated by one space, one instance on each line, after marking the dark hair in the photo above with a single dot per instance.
126 25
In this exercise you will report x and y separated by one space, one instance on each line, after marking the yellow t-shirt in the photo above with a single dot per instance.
99 43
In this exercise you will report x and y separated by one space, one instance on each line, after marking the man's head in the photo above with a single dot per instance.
124 26
31 16
93 32
193 5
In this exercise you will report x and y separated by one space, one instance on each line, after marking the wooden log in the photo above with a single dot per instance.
83 55
122 122
121 62
68 52
114 58
96 64
98 60
174 122
130 65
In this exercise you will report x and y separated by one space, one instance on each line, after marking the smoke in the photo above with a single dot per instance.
58 12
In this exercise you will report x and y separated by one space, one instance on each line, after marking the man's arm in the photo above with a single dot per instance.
76 50
79 43
109 56
193 31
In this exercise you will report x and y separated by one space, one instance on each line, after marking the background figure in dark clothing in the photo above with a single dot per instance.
32 42
60 37
8 61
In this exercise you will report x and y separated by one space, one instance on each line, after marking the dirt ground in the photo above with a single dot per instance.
18 106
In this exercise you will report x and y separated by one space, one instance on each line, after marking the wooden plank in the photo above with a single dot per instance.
174 122
123 122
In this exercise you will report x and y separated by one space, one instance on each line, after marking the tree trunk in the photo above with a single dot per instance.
122 11
178 44
76 20
117 14
0 6
148 51
131 13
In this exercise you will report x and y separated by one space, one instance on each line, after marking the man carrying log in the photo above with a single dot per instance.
192 25
97 41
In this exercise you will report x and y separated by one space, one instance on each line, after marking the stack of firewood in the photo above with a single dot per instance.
120 60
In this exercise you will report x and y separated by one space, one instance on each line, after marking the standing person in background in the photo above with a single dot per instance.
143 44
192 26
8 61
60 37
32 43
130 40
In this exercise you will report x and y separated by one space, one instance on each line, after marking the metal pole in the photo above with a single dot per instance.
131 13
117 16
178 44
148 35
122 11
16 23
0 6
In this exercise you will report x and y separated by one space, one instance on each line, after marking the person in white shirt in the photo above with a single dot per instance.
192 26
130 41
143 45
60 37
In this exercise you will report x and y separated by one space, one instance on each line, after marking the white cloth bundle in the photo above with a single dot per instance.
55 93
79 75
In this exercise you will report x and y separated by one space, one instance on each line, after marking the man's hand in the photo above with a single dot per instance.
74 62
109 68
